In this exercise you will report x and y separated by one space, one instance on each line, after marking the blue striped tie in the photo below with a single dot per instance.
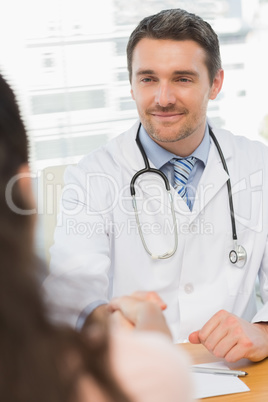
182 170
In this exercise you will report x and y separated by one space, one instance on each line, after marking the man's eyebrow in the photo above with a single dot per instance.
186 72
176 72
145 72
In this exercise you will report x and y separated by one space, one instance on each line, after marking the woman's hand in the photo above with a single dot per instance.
141 310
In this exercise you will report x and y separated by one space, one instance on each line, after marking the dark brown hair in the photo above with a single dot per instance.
38 360
178 25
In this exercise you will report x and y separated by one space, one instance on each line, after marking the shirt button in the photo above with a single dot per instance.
188 288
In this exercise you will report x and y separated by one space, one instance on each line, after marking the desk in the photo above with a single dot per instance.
256 380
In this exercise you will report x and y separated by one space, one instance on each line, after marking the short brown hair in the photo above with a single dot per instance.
178 25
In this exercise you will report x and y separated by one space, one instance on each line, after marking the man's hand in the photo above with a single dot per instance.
233 338
141 310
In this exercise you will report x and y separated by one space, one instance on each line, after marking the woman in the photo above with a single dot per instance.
46 363
39 362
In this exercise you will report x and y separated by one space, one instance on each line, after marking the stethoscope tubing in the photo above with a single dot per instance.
237 255
146 169
229 187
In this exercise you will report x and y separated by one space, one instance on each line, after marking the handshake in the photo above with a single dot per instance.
141 311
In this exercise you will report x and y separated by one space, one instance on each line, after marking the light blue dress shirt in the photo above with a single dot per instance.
160 158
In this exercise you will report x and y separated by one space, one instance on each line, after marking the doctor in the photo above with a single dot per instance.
185 243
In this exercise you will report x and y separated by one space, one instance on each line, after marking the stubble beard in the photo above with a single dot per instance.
160 134
157 134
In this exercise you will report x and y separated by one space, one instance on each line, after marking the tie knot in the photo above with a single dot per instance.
183 167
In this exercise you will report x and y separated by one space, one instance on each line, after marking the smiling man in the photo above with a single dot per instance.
171 86
189 240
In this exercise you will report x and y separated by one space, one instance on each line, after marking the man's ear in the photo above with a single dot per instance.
217 84
132 94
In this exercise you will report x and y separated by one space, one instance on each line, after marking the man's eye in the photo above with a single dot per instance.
183 80
146 80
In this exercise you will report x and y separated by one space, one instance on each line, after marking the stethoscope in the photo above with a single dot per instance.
237 255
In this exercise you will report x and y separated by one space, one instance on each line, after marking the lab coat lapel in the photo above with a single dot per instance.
130 154
150 184
153 187
212 180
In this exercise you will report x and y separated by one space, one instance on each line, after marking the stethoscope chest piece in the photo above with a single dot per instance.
238 256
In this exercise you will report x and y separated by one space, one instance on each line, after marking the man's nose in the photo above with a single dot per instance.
165 95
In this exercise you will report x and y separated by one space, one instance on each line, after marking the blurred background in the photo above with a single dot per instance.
66 62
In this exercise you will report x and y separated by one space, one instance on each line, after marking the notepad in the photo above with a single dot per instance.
207 385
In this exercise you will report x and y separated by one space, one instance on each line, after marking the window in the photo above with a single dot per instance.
48 61
68 68
67 101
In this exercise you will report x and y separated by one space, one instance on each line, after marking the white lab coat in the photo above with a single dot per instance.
98 253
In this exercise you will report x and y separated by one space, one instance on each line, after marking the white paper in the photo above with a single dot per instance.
207 385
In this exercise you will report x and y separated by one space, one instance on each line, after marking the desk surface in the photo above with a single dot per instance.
256 380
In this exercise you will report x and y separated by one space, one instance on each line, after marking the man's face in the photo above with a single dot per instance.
171 88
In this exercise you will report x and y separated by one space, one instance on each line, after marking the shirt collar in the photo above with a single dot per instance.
160 156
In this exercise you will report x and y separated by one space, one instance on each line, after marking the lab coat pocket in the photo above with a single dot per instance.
237 273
